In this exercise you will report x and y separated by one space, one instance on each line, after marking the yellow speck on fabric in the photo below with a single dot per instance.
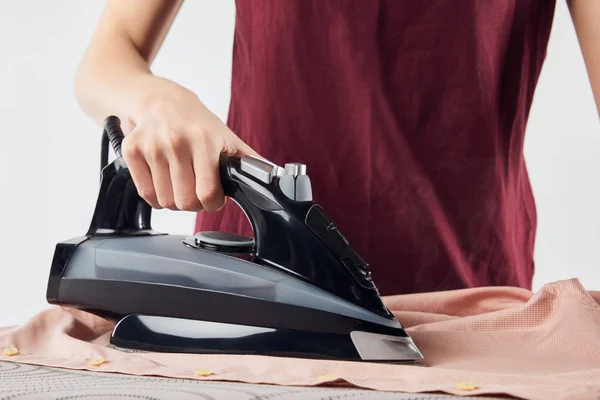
328 377
467 386
95 362
203 372
10 351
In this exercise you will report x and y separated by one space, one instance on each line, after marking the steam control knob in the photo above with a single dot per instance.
294 182
295 169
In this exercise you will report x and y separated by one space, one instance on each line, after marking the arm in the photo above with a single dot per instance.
173 142
586 17
114 75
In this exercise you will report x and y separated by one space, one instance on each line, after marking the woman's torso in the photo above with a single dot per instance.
410 116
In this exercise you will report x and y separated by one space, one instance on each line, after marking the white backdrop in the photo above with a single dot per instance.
49 156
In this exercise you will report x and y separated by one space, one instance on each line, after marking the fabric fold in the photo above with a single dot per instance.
508 341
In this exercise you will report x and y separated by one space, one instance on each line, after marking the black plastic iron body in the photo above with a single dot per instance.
294 237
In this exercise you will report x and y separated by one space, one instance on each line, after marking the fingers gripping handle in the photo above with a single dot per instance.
261 170
127 208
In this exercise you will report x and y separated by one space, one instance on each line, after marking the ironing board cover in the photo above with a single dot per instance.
44 383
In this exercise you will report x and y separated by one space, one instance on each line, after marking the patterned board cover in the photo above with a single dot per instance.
21 381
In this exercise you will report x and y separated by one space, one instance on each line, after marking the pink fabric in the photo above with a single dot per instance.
506 340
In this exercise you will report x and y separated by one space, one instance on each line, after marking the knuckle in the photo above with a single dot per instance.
152 151
167 202
130 148
197 129
206 186
176 142
203 137
187 203
209 197
147 193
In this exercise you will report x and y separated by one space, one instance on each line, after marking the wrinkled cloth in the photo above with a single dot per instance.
506 340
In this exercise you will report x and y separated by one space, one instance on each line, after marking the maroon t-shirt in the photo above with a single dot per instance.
410 116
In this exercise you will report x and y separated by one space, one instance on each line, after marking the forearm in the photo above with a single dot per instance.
110 79
585 15
114 76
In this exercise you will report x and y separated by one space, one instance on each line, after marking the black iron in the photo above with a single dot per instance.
296 247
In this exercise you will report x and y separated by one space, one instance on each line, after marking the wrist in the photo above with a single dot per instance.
155 93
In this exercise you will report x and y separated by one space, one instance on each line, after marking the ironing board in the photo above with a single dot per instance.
21 381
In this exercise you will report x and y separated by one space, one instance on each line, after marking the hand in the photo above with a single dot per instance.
173 151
